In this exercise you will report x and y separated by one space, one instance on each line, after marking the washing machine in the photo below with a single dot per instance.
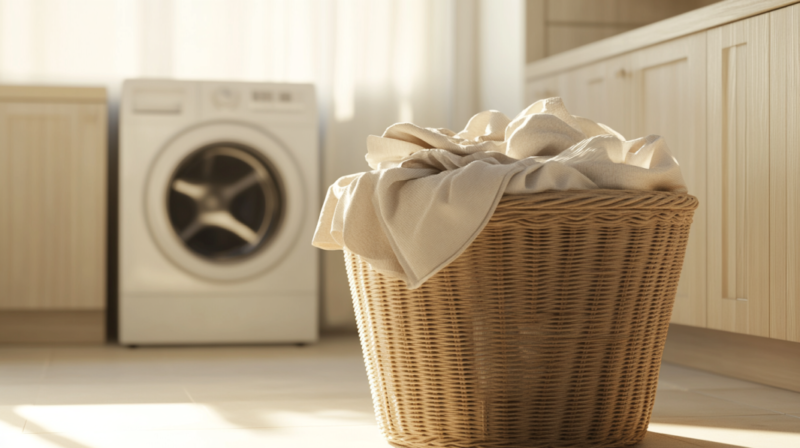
218 203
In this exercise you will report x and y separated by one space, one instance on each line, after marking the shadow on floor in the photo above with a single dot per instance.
55 439
686 442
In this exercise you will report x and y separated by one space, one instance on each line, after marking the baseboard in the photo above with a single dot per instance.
762 360
52 327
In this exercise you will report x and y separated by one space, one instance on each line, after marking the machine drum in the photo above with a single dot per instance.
225 202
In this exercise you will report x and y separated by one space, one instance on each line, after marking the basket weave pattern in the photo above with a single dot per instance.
547 332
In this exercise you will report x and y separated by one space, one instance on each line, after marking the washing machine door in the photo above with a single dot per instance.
225 201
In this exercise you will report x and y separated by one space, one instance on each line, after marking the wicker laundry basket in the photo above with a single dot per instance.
547 332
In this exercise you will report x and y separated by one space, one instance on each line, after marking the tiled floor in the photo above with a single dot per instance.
286 396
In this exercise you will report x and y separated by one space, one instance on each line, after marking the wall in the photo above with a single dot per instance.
554 26
501 50
374 62
487 63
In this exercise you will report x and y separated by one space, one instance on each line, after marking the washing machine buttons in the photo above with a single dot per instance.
225 98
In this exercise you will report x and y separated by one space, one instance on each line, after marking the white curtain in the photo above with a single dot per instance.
374 62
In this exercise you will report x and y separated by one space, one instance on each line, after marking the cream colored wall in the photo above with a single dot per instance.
487 72
554 26
501 56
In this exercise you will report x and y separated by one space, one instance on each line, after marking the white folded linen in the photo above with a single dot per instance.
432 191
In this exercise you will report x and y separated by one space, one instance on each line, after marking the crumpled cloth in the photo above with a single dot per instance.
432 191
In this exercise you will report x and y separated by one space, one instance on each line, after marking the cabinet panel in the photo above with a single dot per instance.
668 99
738 177
601 92
562 37
52 206
542 88
784 173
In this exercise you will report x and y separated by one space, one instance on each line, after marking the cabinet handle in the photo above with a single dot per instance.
622 73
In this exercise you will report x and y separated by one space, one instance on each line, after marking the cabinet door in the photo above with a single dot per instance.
785 173
668 99
52 206
738 177
582 90
601 92
541 88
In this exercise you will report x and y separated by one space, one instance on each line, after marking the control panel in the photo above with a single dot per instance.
279 98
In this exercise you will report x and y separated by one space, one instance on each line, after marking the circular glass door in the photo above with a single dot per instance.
225 202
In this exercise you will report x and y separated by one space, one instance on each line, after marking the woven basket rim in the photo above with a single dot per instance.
601 199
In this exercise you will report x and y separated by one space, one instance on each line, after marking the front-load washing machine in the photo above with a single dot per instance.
218 200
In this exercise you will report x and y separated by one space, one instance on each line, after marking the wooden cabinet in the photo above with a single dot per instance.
542 88
658 90
668 88
722 85
53 210
598 91
601 92
738 177
784 173
727 100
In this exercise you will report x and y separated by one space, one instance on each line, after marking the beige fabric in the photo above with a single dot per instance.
432 191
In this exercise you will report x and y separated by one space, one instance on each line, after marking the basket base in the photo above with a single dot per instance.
515 444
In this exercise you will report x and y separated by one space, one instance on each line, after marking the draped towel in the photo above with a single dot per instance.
432 191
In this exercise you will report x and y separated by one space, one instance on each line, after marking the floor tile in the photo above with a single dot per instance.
297 397
689 404
691 379
347 437
762 431
294 413
115 417
774 399
111 393
10 421
666 385
109 365
257 364
302 382
657 440
19 393
23 365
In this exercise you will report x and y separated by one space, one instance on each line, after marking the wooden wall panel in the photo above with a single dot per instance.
649 11
535 30
53 202
691 22
733 122
556 26
602 92
738 177
542 88
52 327
563 37
582 11
784 81
668 99
589 92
